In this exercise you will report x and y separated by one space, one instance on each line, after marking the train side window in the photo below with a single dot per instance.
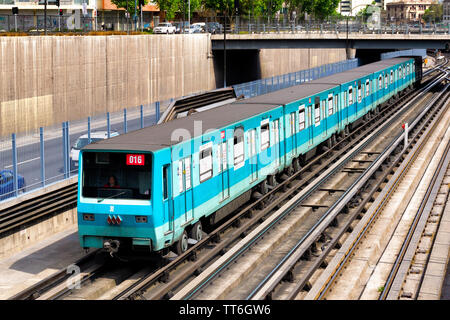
392 76
350 95
403 72
407 69
301 118
380 82
345 101
165 182
385 80
238 147
265 137
367 87
330 104
205 156
335 102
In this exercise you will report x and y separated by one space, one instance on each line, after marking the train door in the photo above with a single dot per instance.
223 169
276 133
351 105
310 125
316 116
292 140
323 124
167 195
185 185
251 141
359 100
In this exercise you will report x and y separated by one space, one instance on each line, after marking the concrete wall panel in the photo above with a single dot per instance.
48 80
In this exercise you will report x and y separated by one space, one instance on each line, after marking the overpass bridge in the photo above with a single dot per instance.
317 39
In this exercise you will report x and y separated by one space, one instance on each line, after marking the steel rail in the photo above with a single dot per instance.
138 287
416 229
278 273
320 293
281 213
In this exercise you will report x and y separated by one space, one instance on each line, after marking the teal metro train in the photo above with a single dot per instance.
154 188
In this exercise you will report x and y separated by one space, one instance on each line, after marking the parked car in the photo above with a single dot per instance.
195 28
213 27
179 26
83 141
7 184
164 27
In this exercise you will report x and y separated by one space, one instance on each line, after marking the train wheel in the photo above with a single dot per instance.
196 232
182 245
296 165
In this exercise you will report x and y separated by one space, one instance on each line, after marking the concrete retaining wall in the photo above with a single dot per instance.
48 80
275 62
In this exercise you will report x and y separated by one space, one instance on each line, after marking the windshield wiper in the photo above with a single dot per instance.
110 197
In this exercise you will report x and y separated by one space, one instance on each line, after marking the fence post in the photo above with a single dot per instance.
125 128
89 129
157 112
41 136
142 116
64 141
67 149
14 163
108 125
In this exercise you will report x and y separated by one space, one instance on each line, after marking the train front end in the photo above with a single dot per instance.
114 200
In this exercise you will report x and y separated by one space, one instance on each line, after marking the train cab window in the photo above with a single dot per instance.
380 82
350 96
330 104
301 117
367 87
238 147
116 175
205 157
359 92
265 137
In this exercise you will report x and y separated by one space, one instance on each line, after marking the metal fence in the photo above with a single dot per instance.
411 52
263 86
235 24
45 156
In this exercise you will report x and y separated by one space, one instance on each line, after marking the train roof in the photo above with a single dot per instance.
159 136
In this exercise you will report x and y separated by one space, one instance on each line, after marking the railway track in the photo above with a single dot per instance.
421 135
167 280
163 282
406 277
305 249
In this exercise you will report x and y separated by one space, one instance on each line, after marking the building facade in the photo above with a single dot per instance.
406 11
446 11
72 15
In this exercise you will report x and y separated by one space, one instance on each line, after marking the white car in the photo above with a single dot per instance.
195 28
164 27
83 141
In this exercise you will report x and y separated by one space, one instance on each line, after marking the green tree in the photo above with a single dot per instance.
434 13
123 4
171 7
320 9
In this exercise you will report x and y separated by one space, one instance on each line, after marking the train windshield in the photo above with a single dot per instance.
116 175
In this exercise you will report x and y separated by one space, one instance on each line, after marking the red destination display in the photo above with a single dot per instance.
135 160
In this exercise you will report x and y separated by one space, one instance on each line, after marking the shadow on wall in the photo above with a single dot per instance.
242 66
